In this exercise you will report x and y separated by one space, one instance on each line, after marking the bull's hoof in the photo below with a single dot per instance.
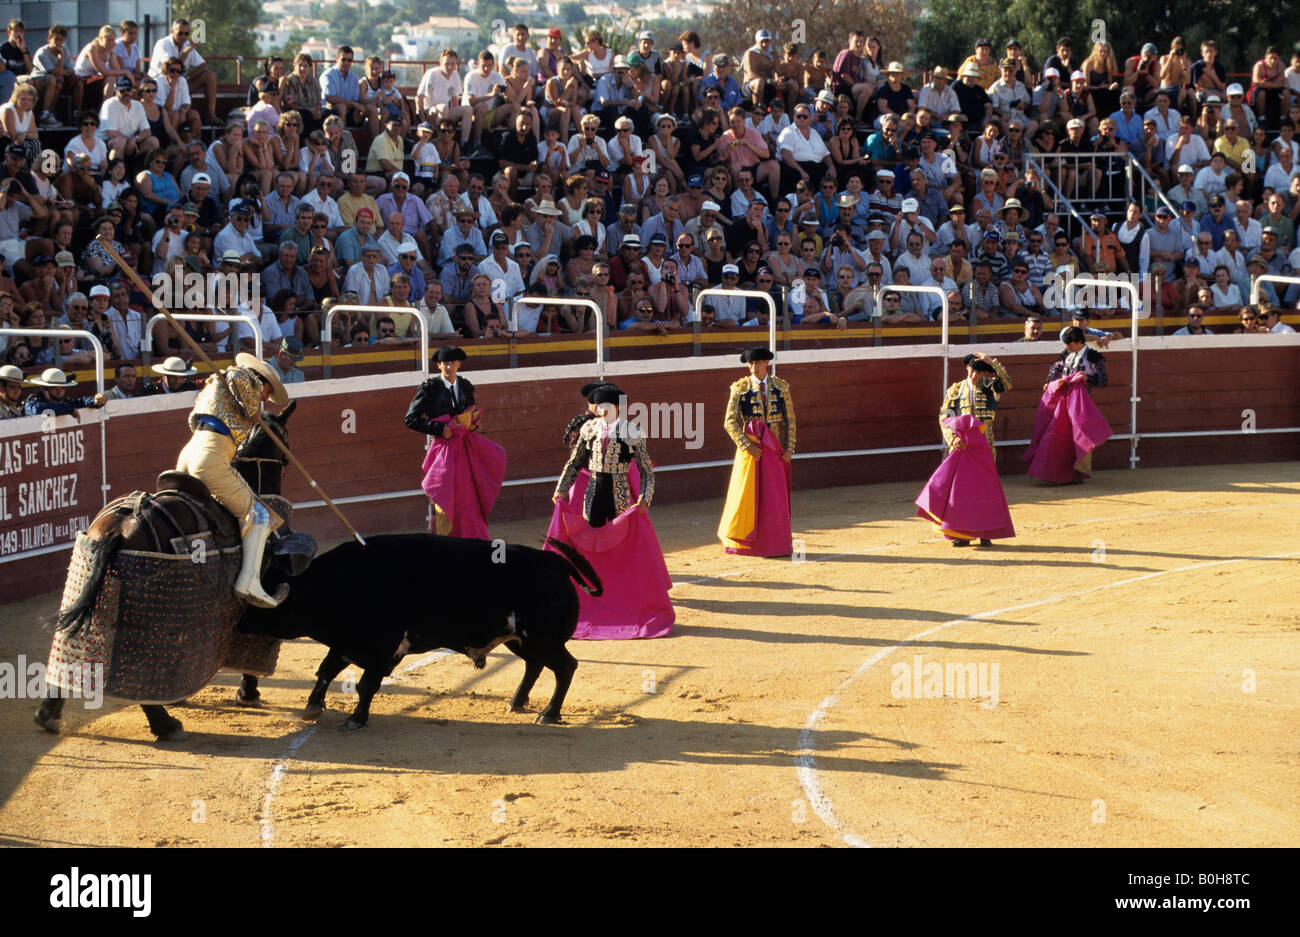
546 719
479 662
518 707
351 724
47 722
251 698
312 712
175 733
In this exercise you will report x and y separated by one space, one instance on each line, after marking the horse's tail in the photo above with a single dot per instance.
79 612
580 571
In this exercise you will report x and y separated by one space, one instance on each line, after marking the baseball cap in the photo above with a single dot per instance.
1235 88
1185 168
658 239
16 151
761 35
201 178
1076 122
645 34
365 213
885 174
1051 73
1164 212
1078 76
371 248
730 268
983 42
407 248
123 83
695 181
1097 214
99 289
554 33
65 259
1150 47
710 206
812 272
1217 201
910 204
499 238
401 175
1187 206
293 347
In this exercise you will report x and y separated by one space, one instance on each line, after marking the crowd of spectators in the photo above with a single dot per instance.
633 178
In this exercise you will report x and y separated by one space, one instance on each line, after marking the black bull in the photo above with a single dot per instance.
411 593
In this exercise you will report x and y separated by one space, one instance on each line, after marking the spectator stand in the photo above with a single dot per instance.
146 339
327 334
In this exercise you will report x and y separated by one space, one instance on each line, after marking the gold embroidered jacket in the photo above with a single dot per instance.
982 400
626 445
746 404
234 396
10 411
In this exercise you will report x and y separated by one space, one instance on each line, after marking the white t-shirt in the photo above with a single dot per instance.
126 121
270 328
164 49
98 154
438 88
175 248
479 85
804 150
182 98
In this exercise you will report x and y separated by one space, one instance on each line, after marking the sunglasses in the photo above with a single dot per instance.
1195 315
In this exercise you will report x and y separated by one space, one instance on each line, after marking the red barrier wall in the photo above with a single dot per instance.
350 434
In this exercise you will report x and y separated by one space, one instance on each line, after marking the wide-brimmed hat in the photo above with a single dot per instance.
449 353
939 72
173 367
53 377
546 207
279 396
10 373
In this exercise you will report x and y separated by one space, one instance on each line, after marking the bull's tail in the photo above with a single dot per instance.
79 612
580 571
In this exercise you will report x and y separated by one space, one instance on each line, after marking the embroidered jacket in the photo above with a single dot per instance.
982 401
746 404
233 396
626 445
1089 361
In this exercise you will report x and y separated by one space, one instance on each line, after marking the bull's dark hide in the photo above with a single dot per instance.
410 593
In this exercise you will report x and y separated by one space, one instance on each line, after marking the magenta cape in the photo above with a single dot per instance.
1067 428
630 563
964 495
759 520
462 477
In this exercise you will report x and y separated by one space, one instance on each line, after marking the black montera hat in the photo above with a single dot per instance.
758 353
449 353
979 364
591 386
605 393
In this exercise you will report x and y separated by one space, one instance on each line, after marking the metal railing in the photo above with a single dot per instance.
1060 199
1136 303
327 332
69 333
567 301
146 340
750 294
1269 278
943 325
1149 186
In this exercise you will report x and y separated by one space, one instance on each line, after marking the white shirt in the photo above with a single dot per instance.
616 149
175 248
182 97
1166 126
513 278
1252 235
358 280
266 323
126 331
390 245
1279 179
1193 152
164 49
808 149
1210 182
126 121
439 88
479 85
324 205
942 102
98 155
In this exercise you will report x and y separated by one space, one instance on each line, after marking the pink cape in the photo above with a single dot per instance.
463 476
964 496
1068 426
770 528
626 555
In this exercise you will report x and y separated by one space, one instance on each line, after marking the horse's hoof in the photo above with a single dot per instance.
177 734
48 723
248 699
312 712
546 719
350 724
517 708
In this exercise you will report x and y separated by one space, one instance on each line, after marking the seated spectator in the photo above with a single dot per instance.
51 395
891 309
484 316
1195 322
368 279
355 239
981 294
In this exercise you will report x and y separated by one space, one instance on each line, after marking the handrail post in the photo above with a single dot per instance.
755 294
1135 305
327 331
1271 278
146 340
70 333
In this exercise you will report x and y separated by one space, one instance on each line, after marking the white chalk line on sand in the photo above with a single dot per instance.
806 767
297 740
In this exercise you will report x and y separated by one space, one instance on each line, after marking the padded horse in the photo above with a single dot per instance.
179 519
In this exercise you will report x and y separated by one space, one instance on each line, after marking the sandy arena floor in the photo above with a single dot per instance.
1137 685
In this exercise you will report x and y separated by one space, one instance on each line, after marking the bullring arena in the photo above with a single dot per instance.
1133 680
